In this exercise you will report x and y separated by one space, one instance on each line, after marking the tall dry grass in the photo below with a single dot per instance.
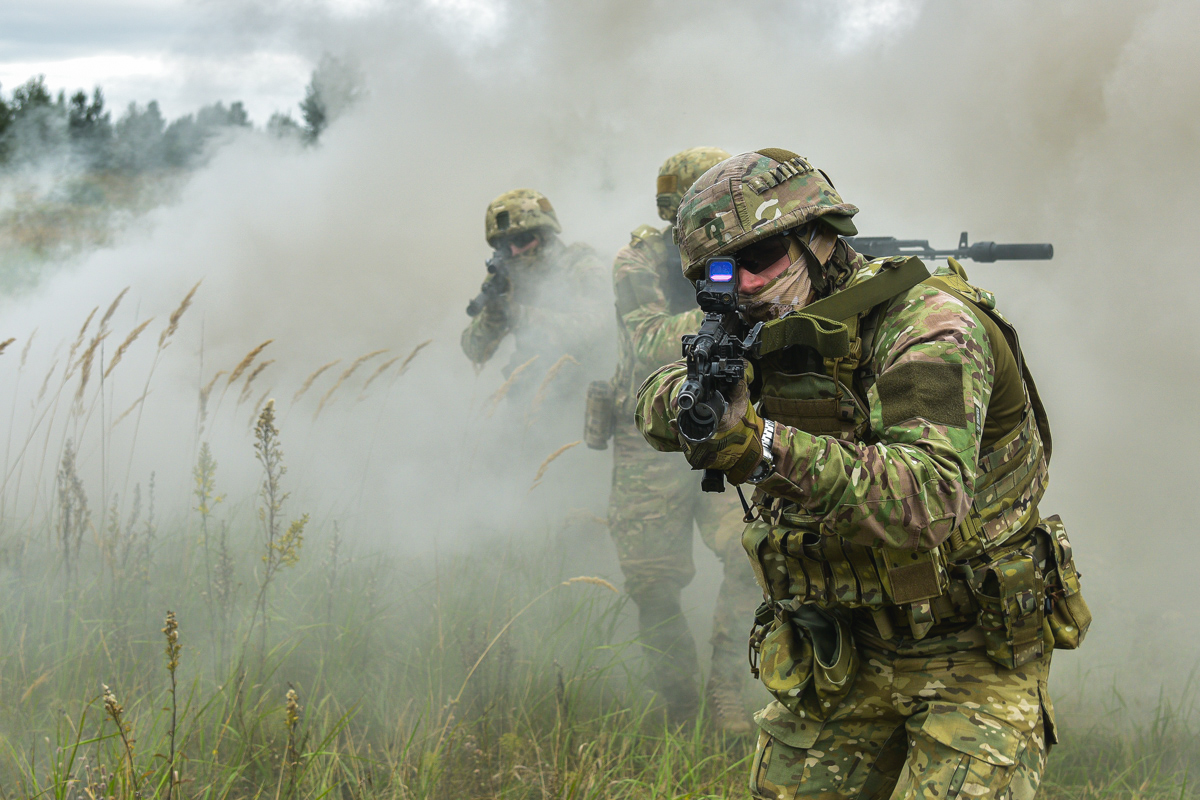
486 673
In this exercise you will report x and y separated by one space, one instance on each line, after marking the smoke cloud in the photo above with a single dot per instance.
1017 121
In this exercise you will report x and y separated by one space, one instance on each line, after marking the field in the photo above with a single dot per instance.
236 647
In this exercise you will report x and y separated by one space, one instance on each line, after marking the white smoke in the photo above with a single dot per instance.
1019 121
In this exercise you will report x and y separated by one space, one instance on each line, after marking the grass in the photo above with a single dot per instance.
412 683
243 649
481 675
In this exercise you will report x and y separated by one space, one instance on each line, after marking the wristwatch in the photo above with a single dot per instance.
766 467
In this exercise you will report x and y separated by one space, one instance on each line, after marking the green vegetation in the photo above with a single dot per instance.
481 675
239 651
72 176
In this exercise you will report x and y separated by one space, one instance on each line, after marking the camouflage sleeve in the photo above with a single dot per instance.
915 484
483 335
642 310
655 413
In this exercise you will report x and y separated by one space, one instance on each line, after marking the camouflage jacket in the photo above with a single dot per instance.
656 306
554 308
909 481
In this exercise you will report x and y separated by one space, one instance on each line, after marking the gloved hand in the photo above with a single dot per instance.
500 311
736 447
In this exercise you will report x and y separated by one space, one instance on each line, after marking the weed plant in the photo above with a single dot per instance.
244 651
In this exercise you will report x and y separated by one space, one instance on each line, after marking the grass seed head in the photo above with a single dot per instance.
341 378
4 345
382 368
494 401
78 342
85 365
129 410
176 315
594 581
539 396
308 382
46 382
125 345
112 309
25 349
413 354
541 473
245 395
245 363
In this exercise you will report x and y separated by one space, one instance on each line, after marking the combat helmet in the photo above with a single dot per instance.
679 172
519 211
753 196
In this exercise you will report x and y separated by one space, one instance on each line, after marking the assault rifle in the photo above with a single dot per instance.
494 286
984 252
715 360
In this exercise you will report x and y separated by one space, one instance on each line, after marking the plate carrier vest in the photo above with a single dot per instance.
815 370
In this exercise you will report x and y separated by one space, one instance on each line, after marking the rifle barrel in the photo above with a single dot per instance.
990 251
983 252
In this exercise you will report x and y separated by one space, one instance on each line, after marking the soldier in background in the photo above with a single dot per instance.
547 294
655 501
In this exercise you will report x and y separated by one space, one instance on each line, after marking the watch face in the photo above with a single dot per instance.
761 472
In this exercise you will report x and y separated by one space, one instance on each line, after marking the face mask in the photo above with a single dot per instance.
792 289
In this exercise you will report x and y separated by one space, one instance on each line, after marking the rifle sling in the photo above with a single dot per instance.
818 325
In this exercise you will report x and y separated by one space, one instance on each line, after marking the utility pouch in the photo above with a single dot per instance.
600 415
1011 595
1069 616
807 660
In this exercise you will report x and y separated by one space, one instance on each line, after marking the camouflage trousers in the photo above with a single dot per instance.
917 723
655 500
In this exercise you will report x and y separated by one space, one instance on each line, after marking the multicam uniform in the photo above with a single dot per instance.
913 592
552 309
655 500
553 304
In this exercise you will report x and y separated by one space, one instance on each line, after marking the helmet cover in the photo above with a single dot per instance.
751 197
519 211
679 172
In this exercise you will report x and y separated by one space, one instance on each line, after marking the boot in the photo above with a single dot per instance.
726 708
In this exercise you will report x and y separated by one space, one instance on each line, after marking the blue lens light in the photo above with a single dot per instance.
720 271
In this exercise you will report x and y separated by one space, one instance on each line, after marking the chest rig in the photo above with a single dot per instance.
816 374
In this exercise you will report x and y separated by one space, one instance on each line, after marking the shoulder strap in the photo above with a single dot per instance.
863 296
820 325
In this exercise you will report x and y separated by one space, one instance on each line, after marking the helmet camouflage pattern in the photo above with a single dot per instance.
518 211
679 172
751 197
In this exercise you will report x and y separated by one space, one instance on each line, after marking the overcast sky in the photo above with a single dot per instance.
182 53
188 53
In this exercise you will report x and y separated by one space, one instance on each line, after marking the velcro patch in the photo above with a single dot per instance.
929 390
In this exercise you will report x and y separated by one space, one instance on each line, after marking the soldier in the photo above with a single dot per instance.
545 293
899 451
654 501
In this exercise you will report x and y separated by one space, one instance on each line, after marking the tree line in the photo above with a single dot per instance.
37 124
